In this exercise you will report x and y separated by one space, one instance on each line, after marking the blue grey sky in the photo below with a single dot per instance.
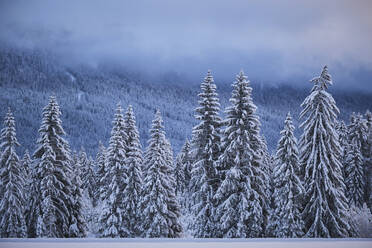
273 41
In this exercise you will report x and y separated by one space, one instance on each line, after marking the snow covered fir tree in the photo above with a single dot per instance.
101 170
116 175
206 148
241 196
133 190
89 185
13 183
355 179
325 204
159 208
182 171
368 161
223 183
78 227
286 220
54 196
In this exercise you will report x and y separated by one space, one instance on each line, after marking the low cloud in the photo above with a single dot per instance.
273 41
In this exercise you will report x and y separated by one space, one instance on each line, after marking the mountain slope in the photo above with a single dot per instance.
88 97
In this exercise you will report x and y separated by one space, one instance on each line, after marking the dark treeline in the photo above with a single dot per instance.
224 182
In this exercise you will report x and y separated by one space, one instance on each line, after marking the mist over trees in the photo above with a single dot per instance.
225 182
88 95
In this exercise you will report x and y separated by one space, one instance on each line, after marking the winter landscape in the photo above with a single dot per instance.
161 124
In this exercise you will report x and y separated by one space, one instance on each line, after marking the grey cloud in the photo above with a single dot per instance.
272 40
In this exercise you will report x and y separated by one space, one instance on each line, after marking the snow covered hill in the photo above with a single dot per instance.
88 97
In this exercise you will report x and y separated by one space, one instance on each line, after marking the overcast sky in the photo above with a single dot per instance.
273 41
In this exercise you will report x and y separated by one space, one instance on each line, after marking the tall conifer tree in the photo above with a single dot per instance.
205 151
286 220
342 132
368 161
183 176
159 206
54 199
241 197
12 184
325 204
133 189
78 227
111 218
101 172
355 178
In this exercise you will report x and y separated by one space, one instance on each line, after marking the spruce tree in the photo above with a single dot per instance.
88 176
325 204
47 222
101 171
205 149
170 161
368 161
132 192
159 206
53 201
112 214
186 159
78 227
179 175
354 165
183 175
33 206
286 219
342 132
26 165
241 197
355 180
358 131
12 183
268 168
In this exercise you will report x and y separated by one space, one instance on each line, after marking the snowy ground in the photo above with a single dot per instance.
164 243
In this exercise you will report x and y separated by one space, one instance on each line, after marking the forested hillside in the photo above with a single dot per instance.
88 96
226 183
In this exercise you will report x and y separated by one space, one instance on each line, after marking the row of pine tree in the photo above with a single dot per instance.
224 183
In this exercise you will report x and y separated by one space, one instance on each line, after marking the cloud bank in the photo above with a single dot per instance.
273 41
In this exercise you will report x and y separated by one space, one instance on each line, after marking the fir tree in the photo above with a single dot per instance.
241 198
268 165
26 165
205 150
53 201
78 227
342 132
286 219
170 161
132 191
47 225
111 218
179 175
186 159
12 184
33 206
183 175
325 204
101 172
354 175
87 175
368 161
358 131
159 206
354 169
